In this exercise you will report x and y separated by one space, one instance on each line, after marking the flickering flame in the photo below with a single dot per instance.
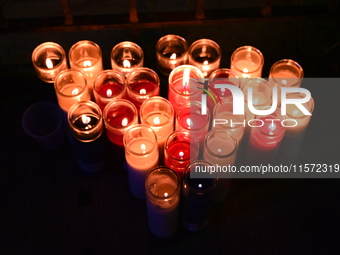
166 194
173 56
219 151
205 62
124 122
245 73
142 91
189 123
126 63
200 186
143 147
283 82
181 154
75 91
87 63
85 119
271 127
245 70
186 77
256 101
109 93
157 121
49 63
295 112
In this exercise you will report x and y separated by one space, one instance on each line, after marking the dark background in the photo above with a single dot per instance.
48 206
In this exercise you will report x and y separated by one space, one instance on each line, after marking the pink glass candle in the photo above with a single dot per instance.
190 118
119 116
86 56
49 60
142 83
205 54
109 85
265 138
180 150
183 83
141 154
286 73
247 62
71 87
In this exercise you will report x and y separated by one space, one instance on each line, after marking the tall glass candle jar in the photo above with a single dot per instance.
71 87
109 85
205 54
142 83
171 51
265 137
86 125
180 149
119 116
247 62
163 187
198 194
286 73
141 154
183 83
158 113
126 56
86 56
49 60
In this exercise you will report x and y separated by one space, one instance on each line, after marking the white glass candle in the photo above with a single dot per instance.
162 186
49 60
86 56
141 154
247 62
286 73
205 54
70 86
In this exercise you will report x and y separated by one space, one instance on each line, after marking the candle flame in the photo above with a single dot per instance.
205 62
75 91
157 121
200 185
295 112
283 82
245 70
142 91
256 101
166 194
271 127
186 77
109 93
143 147
181 154
124 122
85 119
189 123
219 151
126 63
87 63
173 56
49 63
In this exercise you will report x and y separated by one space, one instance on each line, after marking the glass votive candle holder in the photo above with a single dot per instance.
180 150
163 187
158 113
141 84
119 116
265 137
171 51
189 118
86 56
86 125
223 76
141 154
109 85
205 54
198 194
286 73
71 87
49 60
247 62
184 81
126 56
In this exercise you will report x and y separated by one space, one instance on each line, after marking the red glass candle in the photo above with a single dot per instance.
109 85
265 138
180 150
119 116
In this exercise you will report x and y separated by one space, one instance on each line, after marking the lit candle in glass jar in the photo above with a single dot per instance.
86 56
141 154
126 56
171 51
109 85
49 60
205 54
247 62
162 186
70 86
183 83
119 116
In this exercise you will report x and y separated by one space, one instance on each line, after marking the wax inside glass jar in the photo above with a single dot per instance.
120 117
143 87
110 89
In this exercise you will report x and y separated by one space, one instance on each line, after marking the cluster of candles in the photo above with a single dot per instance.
164 140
